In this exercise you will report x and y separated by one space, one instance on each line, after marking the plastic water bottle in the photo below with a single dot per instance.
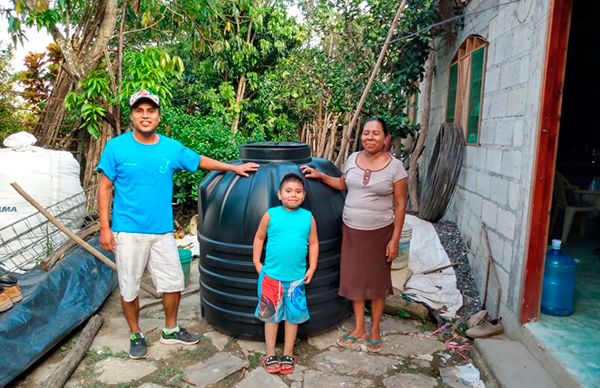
559 282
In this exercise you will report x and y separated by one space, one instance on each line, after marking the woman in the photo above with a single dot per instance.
372 222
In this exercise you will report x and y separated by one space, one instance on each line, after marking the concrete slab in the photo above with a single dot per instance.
119 371
511 365
409 380
214 369
260 378
314 378
349 362
405 346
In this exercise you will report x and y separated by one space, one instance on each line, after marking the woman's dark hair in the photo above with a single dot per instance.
380 121
292 176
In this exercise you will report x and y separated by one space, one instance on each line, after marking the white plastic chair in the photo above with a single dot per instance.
570 204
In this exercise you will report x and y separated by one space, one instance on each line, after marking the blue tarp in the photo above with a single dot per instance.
54 303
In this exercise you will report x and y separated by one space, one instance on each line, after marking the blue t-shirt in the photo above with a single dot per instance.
287 243
142 175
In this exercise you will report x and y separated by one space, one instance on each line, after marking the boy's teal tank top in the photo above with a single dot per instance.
287 243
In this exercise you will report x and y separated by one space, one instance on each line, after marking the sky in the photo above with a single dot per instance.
36 40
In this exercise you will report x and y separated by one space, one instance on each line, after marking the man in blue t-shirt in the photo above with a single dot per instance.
136 171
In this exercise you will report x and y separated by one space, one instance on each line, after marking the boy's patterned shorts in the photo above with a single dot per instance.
281 301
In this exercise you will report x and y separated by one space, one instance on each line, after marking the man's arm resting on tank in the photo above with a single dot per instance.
207 163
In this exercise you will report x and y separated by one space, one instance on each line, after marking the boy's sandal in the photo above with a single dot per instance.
374 346
347 340
287 364
271 364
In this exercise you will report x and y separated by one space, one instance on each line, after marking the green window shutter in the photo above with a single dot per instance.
451 105
477 63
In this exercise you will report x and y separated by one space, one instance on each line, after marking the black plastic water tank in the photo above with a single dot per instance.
230 208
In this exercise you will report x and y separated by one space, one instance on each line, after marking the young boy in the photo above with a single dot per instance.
292 232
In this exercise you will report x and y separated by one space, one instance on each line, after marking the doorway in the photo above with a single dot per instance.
575 184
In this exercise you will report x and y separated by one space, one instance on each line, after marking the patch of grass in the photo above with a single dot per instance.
93 356
169 373
254 359
402 315
195 352
428 326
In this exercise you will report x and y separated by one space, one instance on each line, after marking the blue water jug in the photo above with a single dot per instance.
559 282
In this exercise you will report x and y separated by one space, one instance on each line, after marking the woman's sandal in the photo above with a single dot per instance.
346 340
272 364
287 364
374 346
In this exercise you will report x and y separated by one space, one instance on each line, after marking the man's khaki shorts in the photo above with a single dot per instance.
158 251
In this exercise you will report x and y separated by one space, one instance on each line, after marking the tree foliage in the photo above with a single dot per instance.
232 70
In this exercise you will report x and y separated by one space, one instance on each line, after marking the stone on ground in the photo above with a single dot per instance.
151 385
260 378
218 340
118 371
349 362
325 340
405 346
314 378
214 369
409 380
251 346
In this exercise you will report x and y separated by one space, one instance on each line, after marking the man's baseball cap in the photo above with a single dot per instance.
143 95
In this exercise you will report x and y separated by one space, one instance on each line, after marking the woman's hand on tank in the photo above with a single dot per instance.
244 169
310 172
391 250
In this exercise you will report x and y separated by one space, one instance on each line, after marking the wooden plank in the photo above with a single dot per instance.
543 176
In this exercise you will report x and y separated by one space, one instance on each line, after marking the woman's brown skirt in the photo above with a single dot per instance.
364 270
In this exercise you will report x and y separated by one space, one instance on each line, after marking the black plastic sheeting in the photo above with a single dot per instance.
54 303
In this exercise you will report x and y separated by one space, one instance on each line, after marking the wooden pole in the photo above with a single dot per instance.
97 254
367 89
416 154
492 269
66 367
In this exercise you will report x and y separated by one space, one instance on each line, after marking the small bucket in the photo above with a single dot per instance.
185 257
401 260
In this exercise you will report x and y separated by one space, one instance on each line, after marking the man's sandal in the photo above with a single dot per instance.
346 340
374 346
287 364
271 364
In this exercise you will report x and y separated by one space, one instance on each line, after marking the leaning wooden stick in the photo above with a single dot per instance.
97 254
68 365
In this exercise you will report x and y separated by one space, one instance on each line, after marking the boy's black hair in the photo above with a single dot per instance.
381 121
292 176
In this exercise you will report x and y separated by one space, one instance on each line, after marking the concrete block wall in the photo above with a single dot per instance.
494 186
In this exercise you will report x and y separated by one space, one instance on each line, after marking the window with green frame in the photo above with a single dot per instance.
465 87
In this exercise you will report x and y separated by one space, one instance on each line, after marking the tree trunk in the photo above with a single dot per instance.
367 88
239 96
413 167
48 129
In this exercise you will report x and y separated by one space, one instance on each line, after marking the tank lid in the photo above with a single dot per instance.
274 151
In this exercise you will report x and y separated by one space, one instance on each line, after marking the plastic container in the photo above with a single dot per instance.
401 260
185 257
559 282
229 211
